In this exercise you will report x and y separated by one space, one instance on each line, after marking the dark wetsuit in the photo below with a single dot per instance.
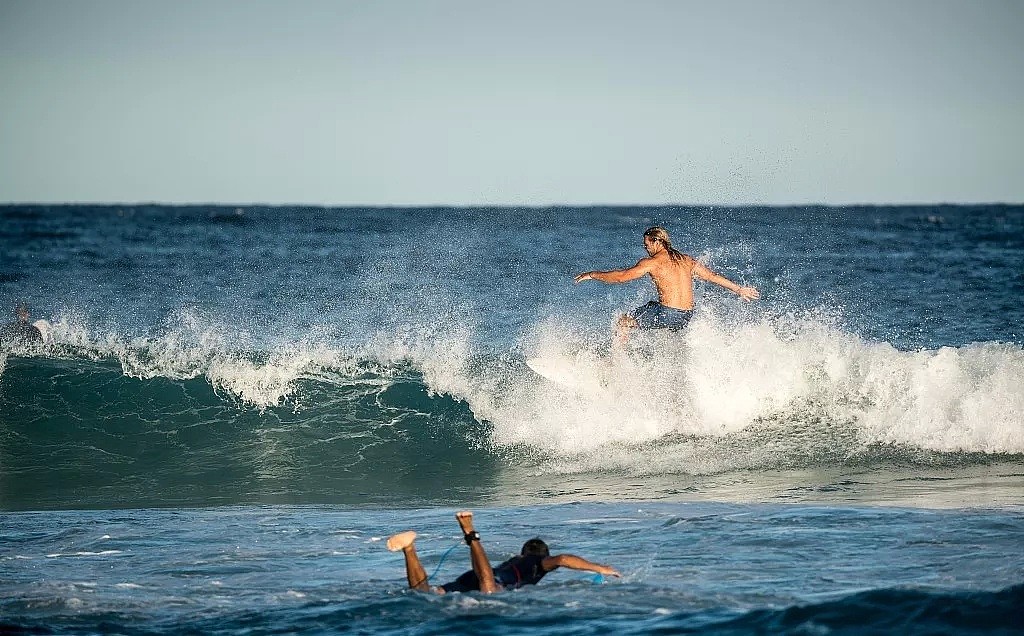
516 572
20 333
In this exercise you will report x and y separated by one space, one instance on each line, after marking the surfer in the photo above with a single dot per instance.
533 562
20 332
672 273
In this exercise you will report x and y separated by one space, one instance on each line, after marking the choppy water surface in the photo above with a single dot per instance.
687 567
211 362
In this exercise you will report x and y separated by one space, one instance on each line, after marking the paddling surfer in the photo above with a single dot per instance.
529 567
672 273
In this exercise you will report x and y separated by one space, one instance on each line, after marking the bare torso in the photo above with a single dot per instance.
673 278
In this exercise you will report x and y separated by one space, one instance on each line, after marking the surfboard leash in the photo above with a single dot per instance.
441 562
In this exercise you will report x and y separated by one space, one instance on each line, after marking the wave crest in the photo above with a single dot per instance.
729 393
754 394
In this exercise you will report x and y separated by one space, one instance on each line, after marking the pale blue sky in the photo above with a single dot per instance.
480 102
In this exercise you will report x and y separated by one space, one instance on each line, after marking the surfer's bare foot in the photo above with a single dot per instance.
465 519
623 327
401 541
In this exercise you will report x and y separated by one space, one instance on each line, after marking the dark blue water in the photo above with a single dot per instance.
236 404
719 568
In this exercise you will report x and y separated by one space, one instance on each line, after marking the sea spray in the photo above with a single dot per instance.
725 385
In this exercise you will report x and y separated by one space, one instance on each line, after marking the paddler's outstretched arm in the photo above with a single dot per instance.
574 562
746 293
642 267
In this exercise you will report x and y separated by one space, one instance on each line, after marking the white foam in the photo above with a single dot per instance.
190 345
56 555
737 395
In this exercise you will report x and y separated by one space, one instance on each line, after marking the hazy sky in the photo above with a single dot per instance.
450 102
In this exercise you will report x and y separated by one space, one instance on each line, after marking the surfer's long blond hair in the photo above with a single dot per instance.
660 234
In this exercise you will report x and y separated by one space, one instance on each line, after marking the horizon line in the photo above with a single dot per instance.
538 206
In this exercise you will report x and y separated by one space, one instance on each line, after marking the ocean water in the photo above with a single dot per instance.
238 404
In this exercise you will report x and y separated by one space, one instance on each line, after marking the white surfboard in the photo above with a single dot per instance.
566 372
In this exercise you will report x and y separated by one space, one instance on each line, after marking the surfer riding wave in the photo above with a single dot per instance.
672 273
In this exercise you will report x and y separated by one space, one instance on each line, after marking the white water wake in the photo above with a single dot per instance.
729 396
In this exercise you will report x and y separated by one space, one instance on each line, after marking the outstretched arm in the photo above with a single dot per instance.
574 562
746 293
643 266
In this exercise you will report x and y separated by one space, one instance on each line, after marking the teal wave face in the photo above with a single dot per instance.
81 434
